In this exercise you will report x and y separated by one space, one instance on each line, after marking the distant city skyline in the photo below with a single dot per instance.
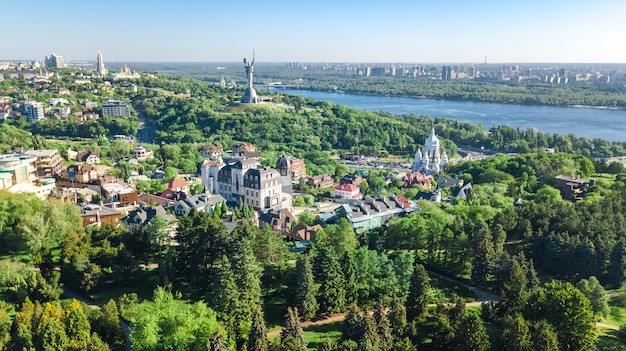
402 31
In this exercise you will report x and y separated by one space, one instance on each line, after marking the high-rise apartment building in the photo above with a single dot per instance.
33 111
55 61
115 108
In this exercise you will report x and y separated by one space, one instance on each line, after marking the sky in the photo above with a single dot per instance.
393 31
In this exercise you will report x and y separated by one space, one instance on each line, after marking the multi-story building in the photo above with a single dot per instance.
33 111
48 163
248 181
112 107
55 61
294 167
18 174
141 153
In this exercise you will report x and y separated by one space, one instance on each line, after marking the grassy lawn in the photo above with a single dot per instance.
443 289
617 314
317 334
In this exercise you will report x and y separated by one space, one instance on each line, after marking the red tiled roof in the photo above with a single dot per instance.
347 187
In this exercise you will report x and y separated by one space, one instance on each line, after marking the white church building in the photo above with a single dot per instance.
432 161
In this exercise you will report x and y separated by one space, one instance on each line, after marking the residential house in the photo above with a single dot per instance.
144 214
49 162
446 182
416 178
241 147
572 188
347 192
199 203
212 152
141 153
153 200
117 192
279 220
94 215
292 167
351 179
320 181
246 180
80 173
302 232
374 212
89 157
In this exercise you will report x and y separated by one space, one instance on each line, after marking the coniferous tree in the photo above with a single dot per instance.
516 334
97 344
248 281
22 328
327 345
383 327
77 326
617 266
352 326
331 291
257 339
397 318
417 302
514 290
443 333
471 335
292 328
304 290
351 287
5 328
545 338
218 342
596 294
224 295
108 325
483 261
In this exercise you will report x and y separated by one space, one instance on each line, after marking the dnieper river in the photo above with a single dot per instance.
588 122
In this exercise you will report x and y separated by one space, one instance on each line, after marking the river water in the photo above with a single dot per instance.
588 122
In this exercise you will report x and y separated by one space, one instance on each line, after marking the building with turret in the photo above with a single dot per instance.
432 161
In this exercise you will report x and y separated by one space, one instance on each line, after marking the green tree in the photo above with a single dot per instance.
514 290
397 318
77 326
224 296
351 287
108 325
218 342
292 329
248 281
257 339
97 344
471 335
417 302
596 294
331 280
516 334
545 338
384 327
5 328
571 315
304 290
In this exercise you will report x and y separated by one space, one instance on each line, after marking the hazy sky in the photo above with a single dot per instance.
412 31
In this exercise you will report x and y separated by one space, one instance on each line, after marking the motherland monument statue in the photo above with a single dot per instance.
249 95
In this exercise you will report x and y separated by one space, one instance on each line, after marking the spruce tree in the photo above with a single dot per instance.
218 342
516 334
257 338
352 326
443 333
224 295
292 328
348 265
327 345
544 337
331 292
397 318
383 327
471 335
5 328
417 302
304 290
248 281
